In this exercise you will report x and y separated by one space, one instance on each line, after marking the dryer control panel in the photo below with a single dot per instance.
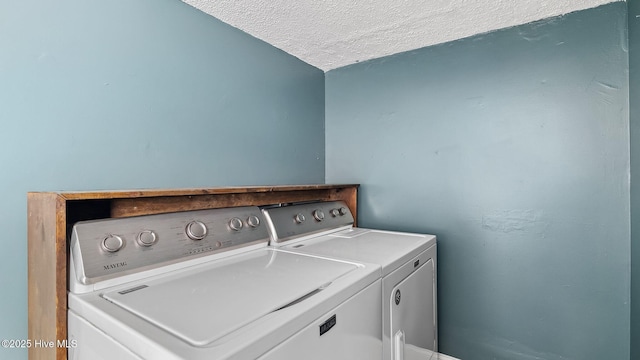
105 249
292 221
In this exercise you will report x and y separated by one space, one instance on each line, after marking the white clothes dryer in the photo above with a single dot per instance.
205 285
408 261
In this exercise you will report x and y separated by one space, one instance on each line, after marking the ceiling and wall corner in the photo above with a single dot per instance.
332 33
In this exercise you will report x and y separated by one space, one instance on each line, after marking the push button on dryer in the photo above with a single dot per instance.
299 218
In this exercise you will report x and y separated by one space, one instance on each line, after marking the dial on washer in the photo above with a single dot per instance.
112 243
196 230
146 238
235 224
253 221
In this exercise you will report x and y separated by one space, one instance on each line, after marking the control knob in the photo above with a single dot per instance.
146 238
299 218
112 243
253 221
334 212
235 224
343 211
318 214
196 230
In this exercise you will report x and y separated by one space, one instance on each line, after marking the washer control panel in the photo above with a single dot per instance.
103 249
291 221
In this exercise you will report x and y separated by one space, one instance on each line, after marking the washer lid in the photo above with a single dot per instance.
204 304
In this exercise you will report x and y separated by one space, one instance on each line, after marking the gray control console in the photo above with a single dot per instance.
292 221
105 249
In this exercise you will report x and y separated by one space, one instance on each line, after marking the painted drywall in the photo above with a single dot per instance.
140 94
513 148
634 124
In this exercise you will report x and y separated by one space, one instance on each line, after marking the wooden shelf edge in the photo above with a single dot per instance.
138 193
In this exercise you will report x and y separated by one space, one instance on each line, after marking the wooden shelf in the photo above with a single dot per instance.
52 214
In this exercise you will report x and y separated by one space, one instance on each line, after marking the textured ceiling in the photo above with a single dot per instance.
332 33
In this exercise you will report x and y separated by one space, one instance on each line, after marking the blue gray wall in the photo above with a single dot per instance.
634 124
140 94
512 147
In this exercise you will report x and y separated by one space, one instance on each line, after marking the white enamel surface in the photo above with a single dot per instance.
414 314
207 304
402 256
356 334
87 342
333 33
139 330
387 248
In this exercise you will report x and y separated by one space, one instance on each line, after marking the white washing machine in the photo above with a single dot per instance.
205 285
408 264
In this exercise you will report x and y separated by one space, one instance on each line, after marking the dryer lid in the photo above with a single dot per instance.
387 248
206 303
